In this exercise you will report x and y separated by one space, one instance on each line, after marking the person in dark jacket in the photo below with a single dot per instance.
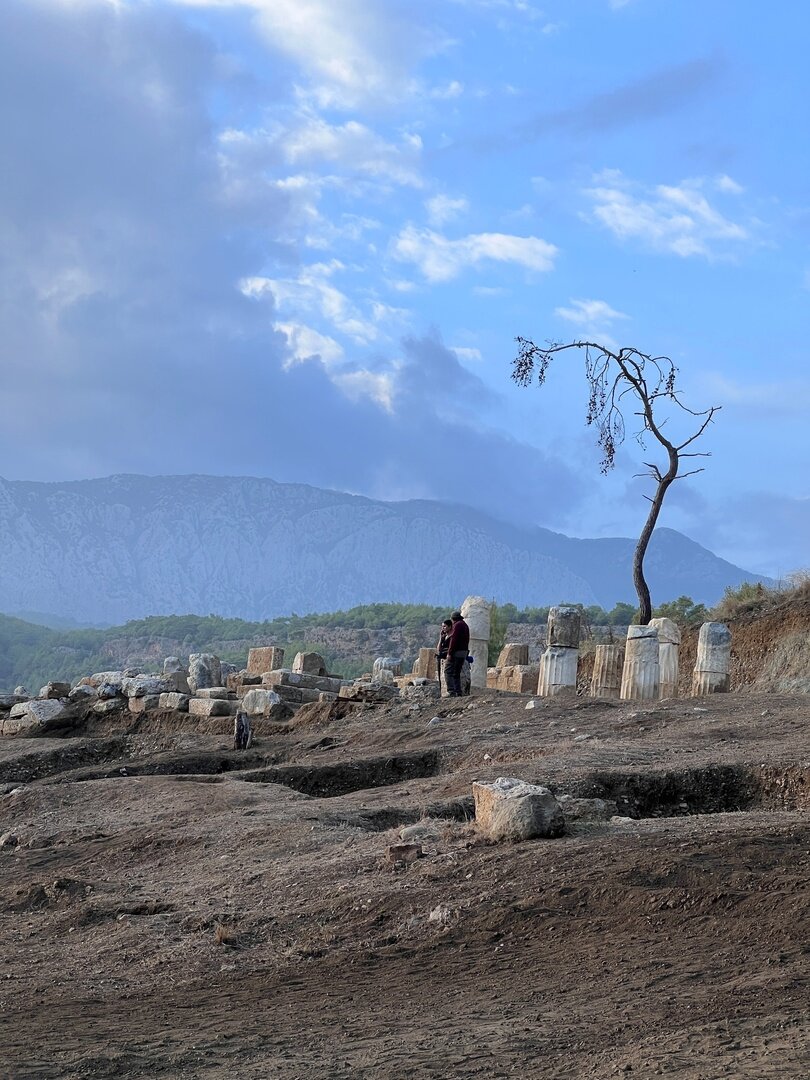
441 648
457 648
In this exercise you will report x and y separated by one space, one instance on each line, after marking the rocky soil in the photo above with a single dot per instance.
170 908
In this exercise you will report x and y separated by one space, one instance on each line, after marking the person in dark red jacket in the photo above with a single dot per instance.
457 648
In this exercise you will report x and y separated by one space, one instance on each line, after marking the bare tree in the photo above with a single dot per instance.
650 382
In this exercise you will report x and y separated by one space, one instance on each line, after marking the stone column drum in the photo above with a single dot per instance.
476 613
608 662
711 675
558 671
558 664
669 641
640 675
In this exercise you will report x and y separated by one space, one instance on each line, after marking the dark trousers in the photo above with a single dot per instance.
452 673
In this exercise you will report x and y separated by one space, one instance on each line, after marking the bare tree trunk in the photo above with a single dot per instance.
642 589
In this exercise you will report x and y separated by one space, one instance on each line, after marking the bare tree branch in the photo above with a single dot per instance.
611 376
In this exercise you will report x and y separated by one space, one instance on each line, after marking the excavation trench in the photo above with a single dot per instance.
714 789
322 781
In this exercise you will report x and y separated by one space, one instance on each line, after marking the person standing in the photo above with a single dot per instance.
457 649
441 649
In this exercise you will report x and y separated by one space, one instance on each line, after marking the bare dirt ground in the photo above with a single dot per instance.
174 909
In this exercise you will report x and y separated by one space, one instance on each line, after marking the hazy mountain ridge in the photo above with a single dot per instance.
124 547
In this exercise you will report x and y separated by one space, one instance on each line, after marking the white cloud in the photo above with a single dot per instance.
371 384
442 259
355 146
355 50
589 313
728 185
677 219
467 353
450 90
305 343
441 209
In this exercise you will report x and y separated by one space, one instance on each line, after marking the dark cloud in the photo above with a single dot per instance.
125 342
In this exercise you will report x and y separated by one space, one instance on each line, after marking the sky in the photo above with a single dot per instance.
297 239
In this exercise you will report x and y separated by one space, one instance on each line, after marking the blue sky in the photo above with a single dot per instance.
296 238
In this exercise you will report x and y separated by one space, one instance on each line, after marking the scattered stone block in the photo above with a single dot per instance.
144 686
204 670
375 695
564 626
83 693
34 717
114 679
258 702
144 703
173 664
513 654
20 691
221 692
173 700
53 691
511 809
198 706
425 664
309 663
267 658
104 706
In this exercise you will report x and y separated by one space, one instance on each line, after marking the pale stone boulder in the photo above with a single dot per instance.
514 653
425 664
510 809
258 702
309 663
20 691
382 676
113 679
211 707
35 716
220 692
144 686
53 691
83 693
204 670
172 700
173 664
104 706
267 658
144 703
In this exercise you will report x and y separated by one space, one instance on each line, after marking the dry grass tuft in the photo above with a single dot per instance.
751 599
224 935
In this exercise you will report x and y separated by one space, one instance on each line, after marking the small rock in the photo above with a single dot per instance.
487 757
421 831
511 809
619 820
403 853
434 721
582 738
531 704
8 840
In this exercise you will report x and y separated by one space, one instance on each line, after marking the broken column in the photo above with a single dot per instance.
387 663
669 641
558 664
640 675
476 613
711 674
608 662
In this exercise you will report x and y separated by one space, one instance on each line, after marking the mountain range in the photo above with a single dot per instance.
123 547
